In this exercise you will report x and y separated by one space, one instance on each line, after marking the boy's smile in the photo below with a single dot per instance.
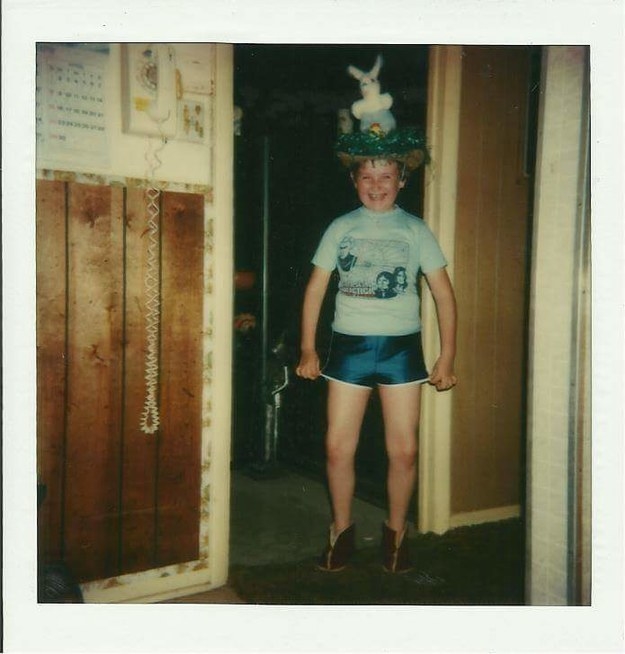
378 183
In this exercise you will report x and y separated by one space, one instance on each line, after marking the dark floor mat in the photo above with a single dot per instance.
480 565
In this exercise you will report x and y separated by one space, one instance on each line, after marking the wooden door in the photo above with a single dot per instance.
491 261
118 500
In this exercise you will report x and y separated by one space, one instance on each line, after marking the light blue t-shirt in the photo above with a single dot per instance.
378 256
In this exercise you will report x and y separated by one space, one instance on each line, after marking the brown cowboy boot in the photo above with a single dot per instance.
395 556
339 550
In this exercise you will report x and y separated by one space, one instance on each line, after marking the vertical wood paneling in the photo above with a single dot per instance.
509 380
139 449
468 234
94 381
51 357
486 274
181 378
119 500
489 279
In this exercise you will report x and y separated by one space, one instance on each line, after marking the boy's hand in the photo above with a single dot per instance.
308 367
443 377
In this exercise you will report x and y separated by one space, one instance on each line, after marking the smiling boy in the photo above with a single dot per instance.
376 342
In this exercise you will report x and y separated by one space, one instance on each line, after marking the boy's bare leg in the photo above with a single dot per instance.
346 409
400 407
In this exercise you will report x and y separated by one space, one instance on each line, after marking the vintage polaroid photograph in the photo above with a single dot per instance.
310 336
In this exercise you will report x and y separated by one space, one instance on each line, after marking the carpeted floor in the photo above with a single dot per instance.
479 565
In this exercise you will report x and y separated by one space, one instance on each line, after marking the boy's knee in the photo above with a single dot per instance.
404 454
339 450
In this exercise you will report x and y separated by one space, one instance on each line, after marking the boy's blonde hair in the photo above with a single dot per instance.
356 164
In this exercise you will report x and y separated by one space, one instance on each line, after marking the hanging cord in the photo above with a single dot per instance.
150 418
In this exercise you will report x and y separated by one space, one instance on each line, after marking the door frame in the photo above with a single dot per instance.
441 177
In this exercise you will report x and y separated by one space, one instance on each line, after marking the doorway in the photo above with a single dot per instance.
289 96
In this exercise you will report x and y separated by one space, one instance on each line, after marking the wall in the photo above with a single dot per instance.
129 155
558 427
190 170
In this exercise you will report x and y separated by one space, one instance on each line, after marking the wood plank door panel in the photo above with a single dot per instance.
119 500
181 374
51 261
94 399
139 464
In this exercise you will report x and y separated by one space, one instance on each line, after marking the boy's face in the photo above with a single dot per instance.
377 184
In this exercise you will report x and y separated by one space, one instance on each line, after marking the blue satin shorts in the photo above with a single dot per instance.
375 360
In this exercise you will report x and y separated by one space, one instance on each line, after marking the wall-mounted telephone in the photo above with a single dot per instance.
150 89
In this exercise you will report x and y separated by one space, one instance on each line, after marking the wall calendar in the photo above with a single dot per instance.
71 124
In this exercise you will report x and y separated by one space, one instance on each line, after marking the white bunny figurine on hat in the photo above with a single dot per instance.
373 110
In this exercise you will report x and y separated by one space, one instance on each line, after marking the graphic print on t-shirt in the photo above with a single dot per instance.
372 268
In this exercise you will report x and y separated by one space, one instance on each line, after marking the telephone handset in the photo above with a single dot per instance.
150 89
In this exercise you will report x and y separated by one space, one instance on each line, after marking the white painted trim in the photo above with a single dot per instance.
221 427
485 515
552 334
445 68
142 588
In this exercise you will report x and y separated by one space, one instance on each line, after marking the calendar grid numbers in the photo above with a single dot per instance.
71 116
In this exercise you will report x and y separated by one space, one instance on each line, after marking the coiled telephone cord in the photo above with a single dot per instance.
150 418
